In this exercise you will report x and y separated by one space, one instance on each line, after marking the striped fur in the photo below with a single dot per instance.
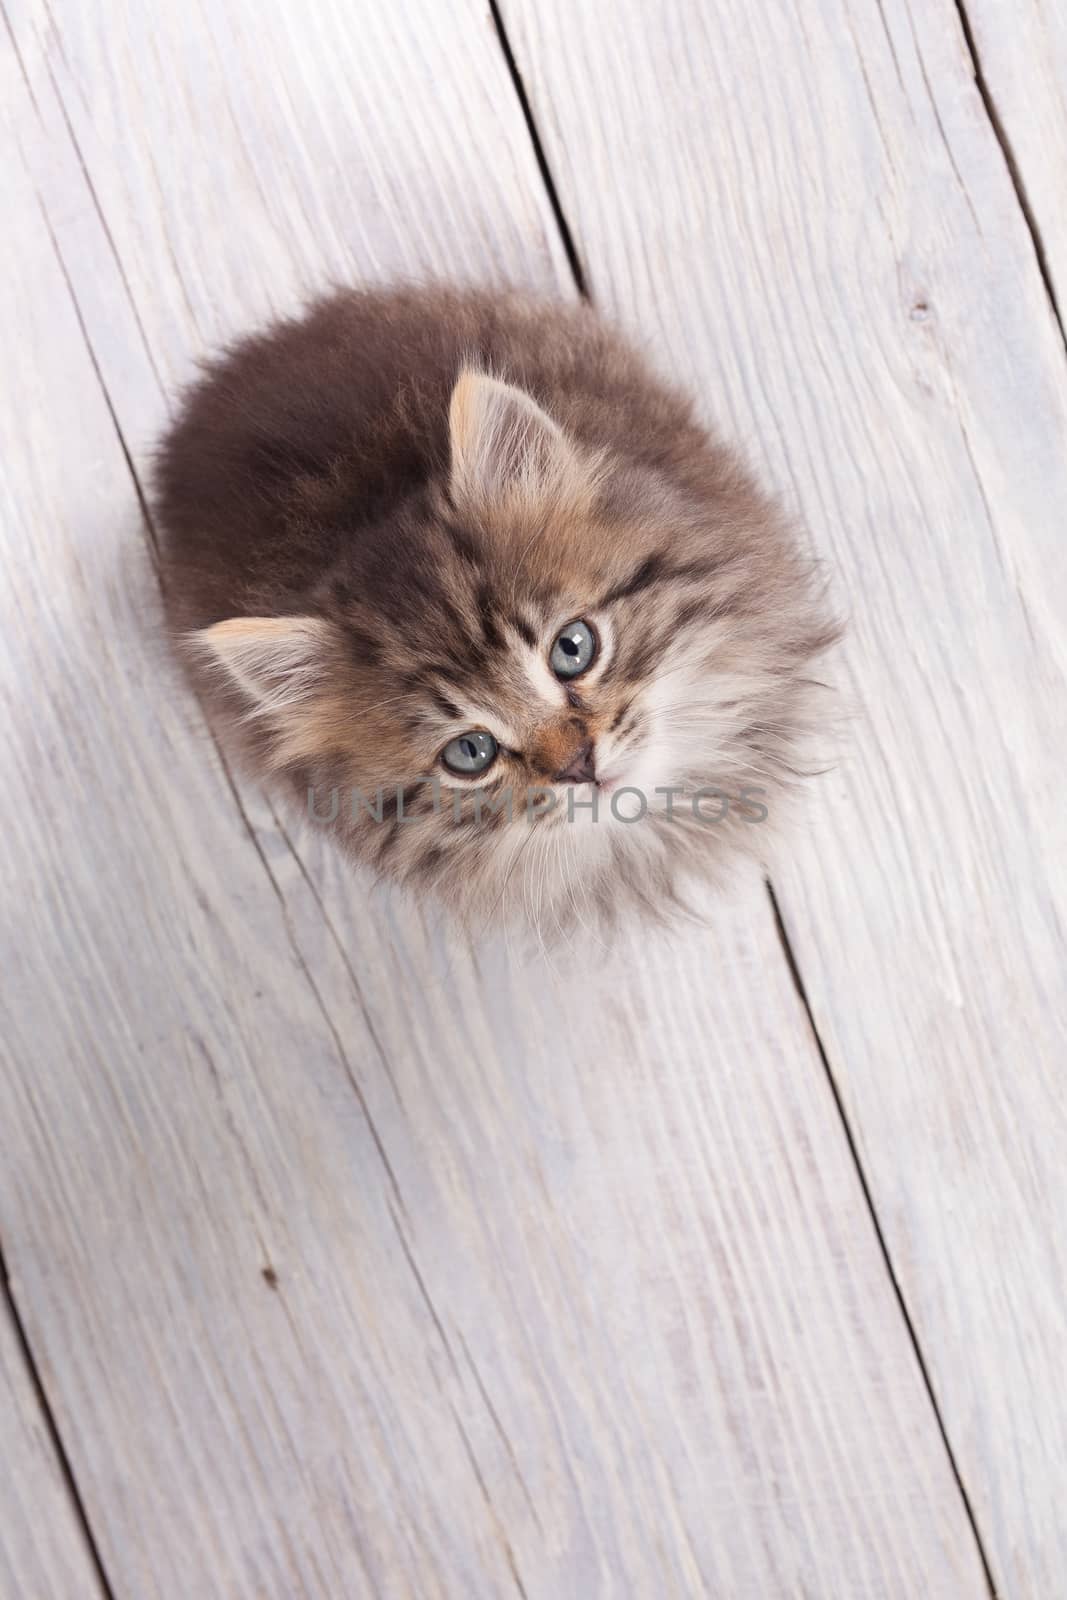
377 517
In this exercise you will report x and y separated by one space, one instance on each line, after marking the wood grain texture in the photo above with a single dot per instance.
1021 50
363 1263
43 1554
837 259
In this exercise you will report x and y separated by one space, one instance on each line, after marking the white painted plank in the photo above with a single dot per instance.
817 227
43 1554
178 1113
1021 50
590 1304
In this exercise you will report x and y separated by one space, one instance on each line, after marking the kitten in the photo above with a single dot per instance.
456 569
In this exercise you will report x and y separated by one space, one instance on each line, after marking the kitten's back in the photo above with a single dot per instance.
307 434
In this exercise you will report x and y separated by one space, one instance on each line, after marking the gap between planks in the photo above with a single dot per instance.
883 1246
36 1382
1000 133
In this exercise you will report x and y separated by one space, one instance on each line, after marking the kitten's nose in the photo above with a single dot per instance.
581 767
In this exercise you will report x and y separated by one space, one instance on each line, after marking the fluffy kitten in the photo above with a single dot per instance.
438 555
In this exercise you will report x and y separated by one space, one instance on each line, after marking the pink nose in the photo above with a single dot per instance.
581 767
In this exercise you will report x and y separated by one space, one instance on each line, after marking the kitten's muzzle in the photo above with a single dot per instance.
580 767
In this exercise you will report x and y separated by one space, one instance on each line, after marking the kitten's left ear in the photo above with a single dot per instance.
503 443
276 662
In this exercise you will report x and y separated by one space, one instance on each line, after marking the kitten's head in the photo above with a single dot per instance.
515 691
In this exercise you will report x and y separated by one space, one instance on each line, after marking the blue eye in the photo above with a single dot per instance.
573 651
470 753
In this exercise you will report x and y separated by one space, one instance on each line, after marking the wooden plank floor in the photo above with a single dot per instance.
859 293
344 1260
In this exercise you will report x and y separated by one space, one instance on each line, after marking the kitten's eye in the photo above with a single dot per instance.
470 753
573 651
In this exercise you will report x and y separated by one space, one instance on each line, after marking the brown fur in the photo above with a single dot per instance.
375 519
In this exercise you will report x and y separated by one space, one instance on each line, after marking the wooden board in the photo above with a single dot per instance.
837 258
1021 53
43 1553
363 1263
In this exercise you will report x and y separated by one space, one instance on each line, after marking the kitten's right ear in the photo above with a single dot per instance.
276 662
503 443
